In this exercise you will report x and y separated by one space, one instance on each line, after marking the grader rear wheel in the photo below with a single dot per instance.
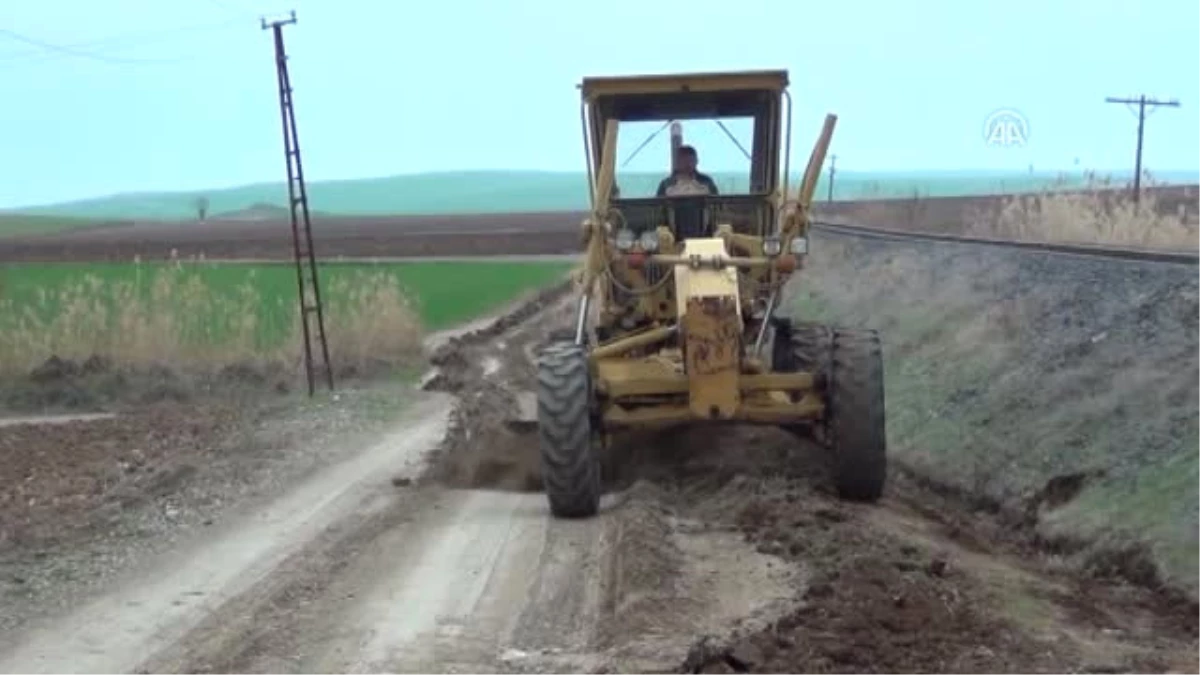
848 367
803 348
855 423
570 465
810 347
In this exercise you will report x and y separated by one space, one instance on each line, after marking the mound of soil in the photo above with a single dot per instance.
487 370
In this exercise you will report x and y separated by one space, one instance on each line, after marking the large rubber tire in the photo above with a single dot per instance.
570 465
810 348
803 347
855 422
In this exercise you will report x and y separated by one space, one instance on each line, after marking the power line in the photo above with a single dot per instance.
70 51
87 49
1141 102
222 5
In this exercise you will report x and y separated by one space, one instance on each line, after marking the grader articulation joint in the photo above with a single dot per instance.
677 330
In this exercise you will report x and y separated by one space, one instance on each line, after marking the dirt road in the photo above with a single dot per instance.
721 551
363 568
156 607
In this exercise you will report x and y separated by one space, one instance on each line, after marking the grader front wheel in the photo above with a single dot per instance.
570 466
855 420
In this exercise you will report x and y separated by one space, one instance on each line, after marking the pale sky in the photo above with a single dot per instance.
156 95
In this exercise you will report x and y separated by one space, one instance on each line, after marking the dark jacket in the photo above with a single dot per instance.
702 178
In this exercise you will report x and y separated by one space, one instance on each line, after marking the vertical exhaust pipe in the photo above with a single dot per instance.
676 141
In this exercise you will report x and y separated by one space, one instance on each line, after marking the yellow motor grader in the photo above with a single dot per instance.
677 321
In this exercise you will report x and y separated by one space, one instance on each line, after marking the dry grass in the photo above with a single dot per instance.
1096 215
178 320
374 324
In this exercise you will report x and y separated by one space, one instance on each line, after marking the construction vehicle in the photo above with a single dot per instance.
683 330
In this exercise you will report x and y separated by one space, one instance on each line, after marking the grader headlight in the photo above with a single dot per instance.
800 246
624 240
649 241
772 246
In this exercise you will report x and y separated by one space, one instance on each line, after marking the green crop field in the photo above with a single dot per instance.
213 312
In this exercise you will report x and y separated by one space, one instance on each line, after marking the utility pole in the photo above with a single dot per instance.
832 173
307 282
1141 102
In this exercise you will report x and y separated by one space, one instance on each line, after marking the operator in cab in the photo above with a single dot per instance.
687 220
685 180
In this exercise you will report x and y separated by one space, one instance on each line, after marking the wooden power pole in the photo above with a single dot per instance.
1142 102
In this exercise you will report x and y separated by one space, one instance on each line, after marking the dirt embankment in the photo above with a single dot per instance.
1059 390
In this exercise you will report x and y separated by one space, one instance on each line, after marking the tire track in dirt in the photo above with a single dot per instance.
480 579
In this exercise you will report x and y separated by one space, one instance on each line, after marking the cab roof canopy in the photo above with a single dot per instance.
757 94
684 96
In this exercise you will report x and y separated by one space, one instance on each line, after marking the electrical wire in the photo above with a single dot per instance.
222 5
69 51
87 50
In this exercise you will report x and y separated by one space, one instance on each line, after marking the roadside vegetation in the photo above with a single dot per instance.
203 318
1061 391
1100 213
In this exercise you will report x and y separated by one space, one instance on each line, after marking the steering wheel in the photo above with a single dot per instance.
689 215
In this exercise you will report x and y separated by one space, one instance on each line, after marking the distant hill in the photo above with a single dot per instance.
257 211
519 191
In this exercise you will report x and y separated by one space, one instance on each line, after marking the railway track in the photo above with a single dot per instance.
553 235
1060 248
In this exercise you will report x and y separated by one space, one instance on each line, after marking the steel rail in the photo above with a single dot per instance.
1060 248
